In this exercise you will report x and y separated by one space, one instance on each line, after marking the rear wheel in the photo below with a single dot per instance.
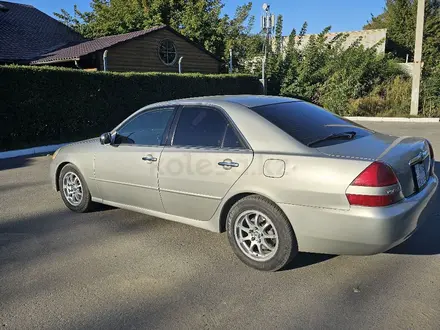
260 234
74 190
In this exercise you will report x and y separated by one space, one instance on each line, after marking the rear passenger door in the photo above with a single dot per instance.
204 158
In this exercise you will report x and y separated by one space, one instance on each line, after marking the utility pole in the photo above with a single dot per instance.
417 69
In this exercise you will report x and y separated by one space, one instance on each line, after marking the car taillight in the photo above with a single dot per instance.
377 175
431 152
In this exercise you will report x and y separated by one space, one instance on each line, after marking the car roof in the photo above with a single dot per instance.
238 108
249 101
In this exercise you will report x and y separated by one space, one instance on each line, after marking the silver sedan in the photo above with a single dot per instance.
280 175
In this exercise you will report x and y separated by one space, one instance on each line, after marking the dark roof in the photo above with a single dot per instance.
88 47
27 33
91 46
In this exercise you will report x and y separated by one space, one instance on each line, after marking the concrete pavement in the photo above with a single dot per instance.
118 269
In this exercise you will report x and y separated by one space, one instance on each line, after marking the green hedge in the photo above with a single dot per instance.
46 105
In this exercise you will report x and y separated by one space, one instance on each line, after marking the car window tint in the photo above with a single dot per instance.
146 129
231 139
307 122
200 126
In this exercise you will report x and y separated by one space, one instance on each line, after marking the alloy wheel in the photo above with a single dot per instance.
256 235
72 188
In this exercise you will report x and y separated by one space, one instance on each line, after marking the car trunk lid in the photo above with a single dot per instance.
403 154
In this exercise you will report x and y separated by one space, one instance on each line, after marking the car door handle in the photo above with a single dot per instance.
149 158
228 164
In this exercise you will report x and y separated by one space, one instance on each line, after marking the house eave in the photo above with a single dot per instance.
56 61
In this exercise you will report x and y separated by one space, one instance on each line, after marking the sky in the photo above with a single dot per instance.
341 15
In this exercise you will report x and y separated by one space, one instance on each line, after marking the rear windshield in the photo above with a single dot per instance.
307 122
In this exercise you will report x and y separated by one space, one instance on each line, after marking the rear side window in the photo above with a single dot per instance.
204 127
307 122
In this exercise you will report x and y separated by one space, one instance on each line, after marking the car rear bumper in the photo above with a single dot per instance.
359 230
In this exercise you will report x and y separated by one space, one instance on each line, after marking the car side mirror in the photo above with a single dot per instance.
105 138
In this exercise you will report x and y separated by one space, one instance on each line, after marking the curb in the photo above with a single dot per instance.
395 119
30 151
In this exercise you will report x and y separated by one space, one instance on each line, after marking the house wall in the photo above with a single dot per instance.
141 54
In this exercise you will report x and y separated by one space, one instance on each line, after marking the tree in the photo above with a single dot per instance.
79 21
109 17
399 18
377 22
237 35
431 36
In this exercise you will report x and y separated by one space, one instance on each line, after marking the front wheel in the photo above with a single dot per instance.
260 234
74 190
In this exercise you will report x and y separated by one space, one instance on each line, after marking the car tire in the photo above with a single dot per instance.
256 219
76 195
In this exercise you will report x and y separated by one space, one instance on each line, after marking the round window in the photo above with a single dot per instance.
167 52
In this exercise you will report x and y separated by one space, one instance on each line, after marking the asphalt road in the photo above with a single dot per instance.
117 269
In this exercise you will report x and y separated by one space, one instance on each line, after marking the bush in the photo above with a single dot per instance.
390 99
331 74
46 105
368 106
430 94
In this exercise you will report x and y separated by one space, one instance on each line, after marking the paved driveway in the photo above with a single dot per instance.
118 269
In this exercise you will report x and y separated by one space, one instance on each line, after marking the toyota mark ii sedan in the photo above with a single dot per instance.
279 175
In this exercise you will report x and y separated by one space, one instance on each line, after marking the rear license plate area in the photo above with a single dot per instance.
420 175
